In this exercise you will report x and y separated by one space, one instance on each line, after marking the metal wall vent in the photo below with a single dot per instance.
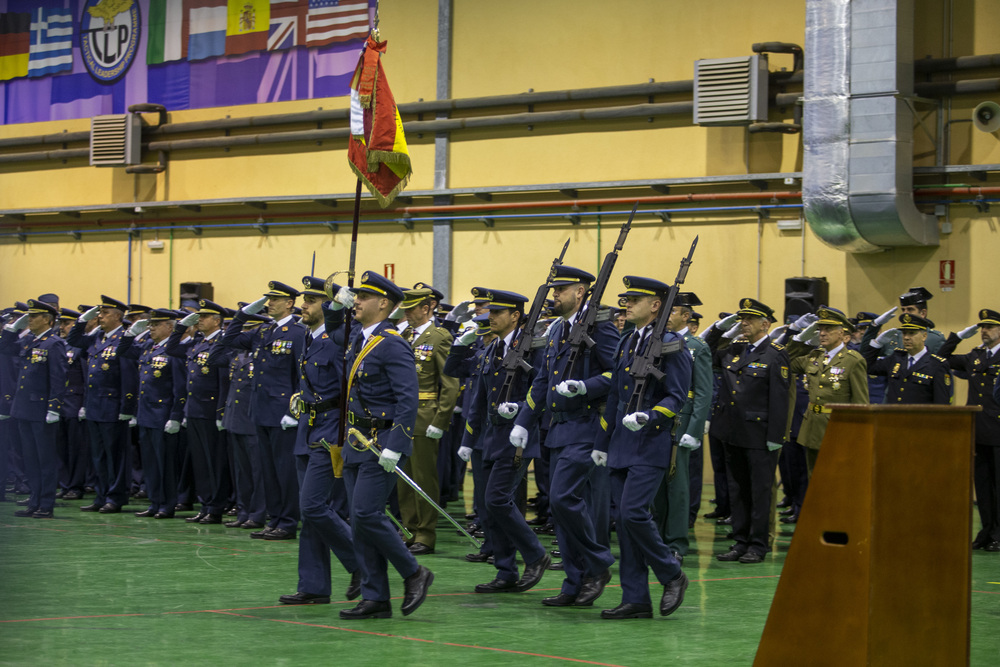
730 91
115 140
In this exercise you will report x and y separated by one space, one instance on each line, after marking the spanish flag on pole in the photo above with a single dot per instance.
377 148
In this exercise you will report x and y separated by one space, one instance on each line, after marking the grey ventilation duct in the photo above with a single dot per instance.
857 185
730 91
116 140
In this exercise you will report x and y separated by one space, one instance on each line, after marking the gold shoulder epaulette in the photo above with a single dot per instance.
777 346
939 358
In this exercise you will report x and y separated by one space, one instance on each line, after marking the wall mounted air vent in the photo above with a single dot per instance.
730 91
116 140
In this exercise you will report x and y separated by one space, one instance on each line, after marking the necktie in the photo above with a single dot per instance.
909 364
500 350
411 333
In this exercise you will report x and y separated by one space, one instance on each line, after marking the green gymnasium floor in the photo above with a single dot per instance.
93 589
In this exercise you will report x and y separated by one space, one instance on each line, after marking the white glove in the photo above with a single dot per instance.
468 333
122 417
968 332
599 458
344 298
137 328
773 446
807 320
519 436
434 432
726 322
172 426
2 417
635 421
507 410
463 312
184 422
465 453
219 426
885 317
190 320
17 324
883 338
806 334
688 441
397 313
90 314
82 414
132 423
570 388
255 307
51 417
733 331
288 422
388 459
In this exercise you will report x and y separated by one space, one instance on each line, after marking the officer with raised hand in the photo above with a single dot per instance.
912 302
203 407
38 400
74 447
276 348
635 443
382 405
110 403
981 367
914 374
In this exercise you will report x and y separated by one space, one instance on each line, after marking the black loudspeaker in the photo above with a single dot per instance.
805 295
195 291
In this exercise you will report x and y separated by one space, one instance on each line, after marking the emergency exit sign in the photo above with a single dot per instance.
946 275
390 272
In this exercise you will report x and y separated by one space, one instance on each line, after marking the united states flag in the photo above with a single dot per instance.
51 47
331 21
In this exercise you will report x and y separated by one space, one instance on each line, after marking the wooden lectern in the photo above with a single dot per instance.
879 570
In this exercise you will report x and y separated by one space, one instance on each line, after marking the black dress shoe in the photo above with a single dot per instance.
673 595
233 524
93 507
60 493
561 600
183 507
533 573
547 529
259 535
304 598
72 495
538 521
23 502
354 588
787 512
42 514
981 541
785 502
751 557
556 553
149 512
476 557
252 525
470 516
725 521
992 546
591 588
628 610
29 511
557 566
497 586
791 518
196 518
714 514
730 556
211 518
368 609
490 559
279 534
415 589
420 549
110 508
163 515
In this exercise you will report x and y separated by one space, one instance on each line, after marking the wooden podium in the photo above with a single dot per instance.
879 570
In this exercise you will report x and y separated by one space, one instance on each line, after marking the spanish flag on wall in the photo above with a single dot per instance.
377 148
247 26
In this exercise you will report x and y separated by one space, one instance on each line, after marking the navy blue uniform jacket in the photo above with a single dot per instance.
41 382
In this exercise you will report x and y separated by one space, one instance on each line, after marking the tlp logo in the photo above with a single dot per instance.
109 37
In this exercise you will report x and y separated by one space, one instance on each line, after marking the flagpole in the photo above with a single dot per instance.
342 431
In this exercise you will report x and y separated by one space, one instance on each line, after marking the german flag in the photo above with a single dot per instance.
15 42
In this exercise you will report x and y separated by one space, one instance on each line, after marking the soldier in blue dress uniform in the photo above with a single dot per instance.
382 404
38 401
635 444
276 348
914 374
74 446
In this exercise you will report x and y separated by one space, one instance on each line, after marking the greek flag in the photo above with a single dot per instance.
51 47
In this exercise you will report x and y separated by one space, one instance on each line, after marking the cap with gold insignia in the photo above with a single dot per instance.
988 317
162 315
20 308
639 286
482 324
136 309
68 314
865 318
49 298
375 283
274 288
206 307
689 299
911 322
416 297
502 300
569 275
36 307
438 296
481 295
831 316
916 296
313 286
108 302
755 308
695 316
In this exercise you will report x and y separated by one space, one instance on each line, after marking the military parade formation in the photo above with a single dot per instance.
346 416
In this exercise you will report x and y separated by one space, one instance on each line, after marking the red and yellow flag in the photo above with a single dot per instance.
377 148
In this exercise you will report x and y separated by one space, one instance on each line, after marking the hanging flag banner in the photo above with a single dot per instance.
62 59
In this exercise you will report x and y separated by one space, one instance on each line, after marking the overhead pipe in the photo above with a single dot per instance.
955 64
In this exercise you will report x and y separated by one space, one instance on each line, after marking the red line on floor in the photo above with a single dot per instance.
68 618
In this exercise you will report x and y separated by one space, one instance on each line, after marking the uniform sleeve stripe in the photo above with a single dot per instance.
604 424
665 411
606 374
529 400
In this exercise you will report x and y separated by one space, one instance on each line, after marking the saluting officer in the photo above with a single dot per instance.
876 383
322 496
37 401
110 403
74 447
913 302
834 374
981 367
276 349
635 444
915 374
752 421
382 404
437 394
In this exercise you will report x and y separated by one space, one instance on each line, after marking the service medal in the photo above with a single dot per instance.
204 370
836 386
105 367
157 374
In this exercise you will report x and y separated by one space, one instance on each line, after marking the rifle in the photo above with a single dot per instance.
516 358
647 364
582 333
